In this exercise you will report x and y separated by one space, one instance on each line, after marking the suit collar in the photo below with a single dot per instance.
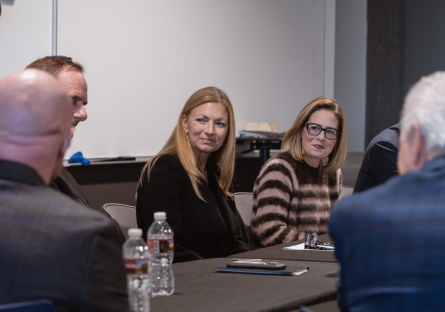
435 164
69 180
396 127
17 172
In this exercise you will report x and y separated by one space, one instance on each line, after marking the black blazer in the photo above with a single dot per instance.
66 184
201 230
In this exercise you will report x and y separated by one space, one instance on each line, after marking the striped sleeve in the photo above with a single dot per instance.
272 197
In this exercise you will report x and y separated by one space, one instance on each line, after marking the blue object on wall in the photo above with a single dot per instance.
78 158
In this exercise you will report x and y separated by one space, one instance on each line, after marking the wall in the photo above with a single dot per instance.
350 68
424 39
145 58
25 34
26 29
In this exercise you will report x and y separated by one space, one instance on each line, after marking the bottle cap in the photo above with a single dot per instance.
135 232
160 215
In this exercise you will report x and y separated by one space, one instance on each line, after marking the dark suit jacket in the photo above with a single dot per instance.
380 160
390 244
55 248
66 184
201 230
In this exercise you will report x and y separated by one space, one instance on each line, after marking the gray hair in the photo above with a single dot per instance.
425 105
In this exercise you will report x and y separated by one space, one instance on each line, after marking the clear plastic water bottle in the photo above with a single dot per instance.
137 262
160 243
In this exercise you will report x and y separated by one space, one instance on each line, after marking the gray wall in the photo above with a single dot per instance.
350 68
425 39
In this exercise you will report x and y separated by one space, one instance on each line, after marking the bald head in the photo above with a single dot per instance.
35 120
33 104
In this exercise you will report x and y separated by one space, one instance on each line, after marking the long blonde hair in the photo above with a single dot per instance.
292 142
177 144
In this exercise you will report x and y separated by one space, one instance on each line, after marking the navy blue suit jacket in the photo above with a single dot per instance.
390 242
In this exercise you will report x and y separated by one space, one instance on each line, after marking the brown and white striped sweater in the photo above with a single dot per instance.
290 199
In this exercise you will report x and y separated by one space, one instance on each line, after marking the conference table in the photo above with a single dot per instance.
198 287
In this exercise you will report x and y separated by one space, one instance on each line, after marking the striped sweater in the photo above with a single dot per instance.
290 199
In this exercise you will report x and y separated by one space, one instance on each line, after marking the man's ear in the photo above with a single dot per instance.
184 123
418 148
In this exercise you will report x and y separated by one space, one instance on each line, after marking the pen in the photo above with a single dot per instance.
243 271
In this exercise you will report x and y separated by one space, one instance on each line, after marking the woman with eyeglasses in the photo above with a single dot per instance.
295 189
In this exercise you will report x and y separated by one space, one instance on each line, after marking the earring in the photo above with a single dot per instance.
186 136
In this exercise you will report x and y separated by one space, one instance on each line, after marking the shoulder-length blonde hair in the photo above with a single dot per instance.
292 141
177 144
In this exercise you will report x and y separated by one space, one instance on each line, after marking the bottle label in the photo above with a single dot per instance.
137 265
159 246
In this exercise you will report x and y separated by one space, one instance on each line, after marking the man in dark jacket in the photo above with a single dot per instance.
70 75
380 161
52 247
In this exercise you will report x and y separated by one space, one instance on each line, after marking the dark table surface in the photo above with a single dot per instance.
278 253
329 306
198 287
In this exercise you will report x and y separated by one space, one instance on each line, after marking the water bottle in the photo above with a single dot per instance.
160 243
137 262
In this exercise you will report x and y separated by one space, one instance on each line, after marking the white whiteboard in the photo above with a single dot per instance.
25 34
144 58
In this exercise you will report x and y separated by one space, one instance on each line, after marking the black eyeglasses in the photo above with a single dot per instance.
315 129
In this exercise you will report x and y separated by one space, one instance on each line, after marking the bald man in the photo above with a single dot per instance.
70 75
51 246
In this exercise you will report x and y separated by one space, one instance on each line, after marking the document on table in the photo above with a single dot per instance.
301 247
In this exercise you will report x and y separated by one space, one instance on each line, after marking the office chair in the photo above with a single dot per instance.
29 306
244 203
124 215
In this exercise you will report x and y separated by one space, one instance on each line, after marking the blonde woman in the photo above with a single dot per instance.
190 178
295 190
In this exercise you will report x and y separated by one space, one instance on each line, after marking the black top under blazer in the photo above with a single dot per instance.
201 229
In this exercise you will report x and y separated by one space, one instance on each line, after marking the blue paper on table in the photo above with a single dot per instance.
78 158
